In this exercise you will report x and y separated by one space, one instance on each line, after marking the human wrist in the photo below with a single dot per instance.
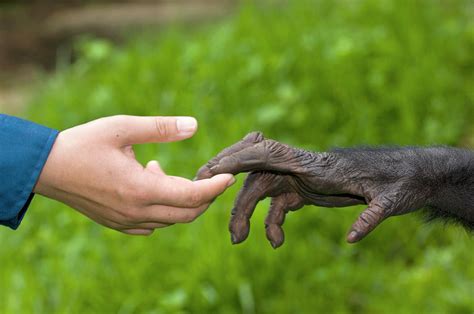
46 183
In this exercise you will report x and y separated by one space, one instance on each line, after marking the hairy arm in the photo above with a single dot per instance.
391 181
438 179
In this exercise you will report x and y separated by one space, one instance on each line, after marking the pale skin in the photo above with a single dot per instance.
92 168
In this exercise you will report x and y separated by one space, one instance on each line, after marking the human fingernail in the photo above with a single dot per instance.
154 166
186 124
231 181
152 163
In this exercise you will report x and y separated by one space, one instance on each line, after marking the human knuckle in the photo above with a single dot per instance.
138 195
130 215
122 192
162 127
119 117
131 192
117 120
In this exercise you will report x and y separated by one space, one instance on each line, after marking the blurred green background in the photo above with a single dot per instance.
314 74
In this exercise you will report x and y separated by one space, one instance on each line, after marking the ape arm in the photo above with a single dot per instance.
391 181
437 179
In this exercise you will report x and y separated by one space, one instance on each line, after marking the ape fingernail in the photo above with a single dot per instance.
233 238
352 237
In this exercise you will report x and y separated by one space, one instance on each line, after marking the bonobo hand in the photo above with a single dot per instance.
392 181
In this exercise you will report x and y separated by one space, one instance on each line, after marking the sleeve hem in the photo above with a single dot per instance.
27 193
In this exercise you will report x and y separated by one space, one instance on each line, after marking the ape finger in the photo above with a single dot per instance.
368 220
269 155
249 140
254 158
257 186
280 205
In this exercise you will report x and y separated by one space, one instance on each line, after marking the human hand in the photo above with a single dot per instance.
389 181
92 168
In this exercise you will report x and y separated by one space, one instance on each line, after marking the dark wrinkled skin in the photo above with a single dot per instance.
391 181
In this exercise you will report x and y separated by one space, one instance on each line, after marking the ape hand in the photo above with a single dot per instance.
391 181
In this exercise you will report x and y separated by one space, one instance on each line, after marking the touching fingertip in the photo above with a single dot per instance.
203 173
227 177
231 181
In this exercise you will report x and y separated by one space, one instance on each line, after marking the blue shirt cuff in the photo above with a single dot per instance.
25 147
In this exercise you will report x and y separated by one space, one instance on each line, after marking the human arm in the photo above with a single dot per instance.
92 168
391 181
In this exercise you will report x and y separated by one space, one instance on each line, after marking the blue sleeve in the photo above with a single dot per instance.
24 148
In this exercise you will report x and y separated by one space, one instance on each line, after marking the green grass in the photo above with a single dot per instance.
314 74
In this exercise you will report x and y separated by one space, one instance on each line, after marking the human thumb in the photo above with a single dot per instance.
138 130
